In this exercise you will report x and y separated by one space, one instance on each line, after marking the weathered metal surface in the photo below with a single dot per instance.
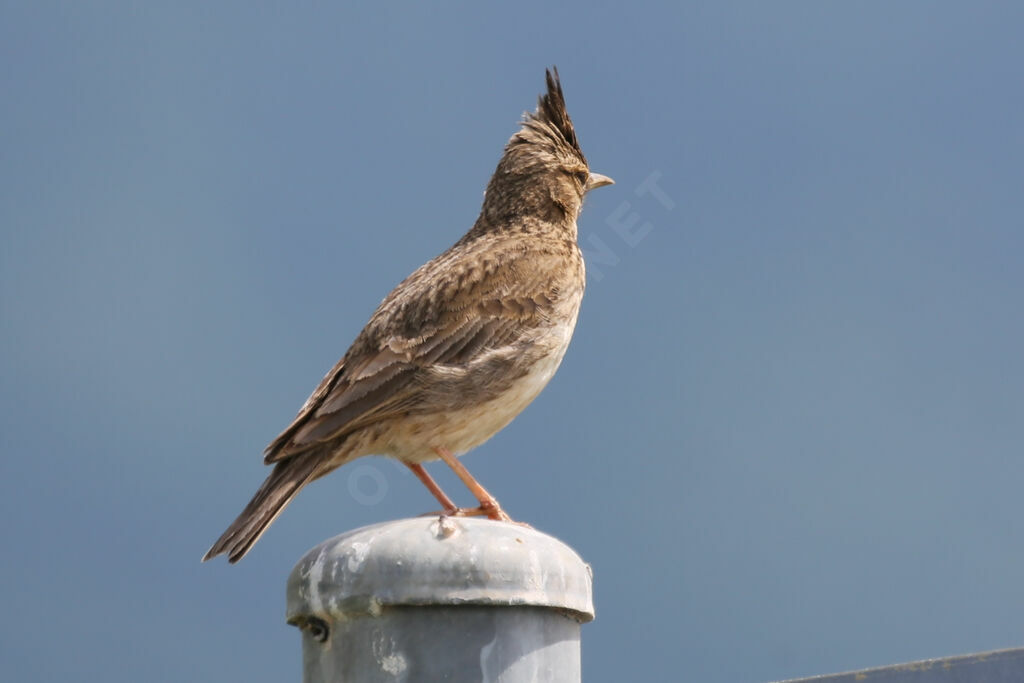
451 599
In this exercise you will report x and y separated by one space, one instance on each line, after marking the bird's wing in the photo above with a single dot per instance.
445 314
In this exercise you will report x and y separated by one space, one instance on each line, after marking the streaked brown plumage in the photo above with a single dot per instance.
462 345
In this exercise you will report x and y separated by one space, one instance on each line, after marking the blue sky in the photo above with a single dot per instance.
787 435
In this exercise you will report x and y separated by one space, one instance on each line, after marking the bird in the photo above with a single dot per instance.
461 346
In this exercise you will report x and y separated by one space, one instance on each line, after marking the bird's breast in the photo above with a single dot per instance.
483 398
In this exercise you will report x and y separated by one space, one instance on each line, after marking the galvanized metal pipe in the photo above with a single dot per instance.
431 599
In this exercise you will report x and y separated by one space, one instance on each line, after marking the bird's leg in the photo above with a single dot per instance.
488 505
448 507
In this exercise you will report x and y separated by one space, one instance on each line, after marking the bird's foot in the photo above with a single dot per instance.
455 512
488 509
492 510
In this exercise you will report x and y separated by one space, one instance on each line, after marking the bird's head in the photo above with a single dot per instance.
543 172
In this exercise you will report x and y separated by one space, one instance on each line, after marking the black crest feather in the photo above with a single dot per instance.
551 121
551 109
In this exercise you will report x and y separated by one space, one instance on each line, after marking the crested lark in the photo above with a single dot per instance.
461 346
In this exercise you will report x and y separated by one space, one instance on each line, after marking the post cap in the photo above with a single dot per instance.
438 561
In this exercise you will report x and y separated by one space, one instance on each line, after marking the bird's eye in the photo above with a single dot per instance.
583 177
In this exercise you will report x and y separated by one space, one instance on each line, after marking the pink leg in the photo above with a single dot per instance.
488 505
448 507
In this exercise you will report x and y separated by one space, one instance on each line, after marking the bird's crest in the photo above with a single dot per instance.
551 120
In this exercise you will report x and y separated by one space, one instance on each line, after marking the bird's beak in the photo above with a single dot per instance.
598 180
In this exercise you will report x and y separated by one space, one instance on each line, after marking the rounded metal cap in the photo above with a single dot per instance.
439 561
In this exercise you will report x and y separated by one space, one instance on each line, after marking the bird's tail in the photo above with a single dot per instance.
276 492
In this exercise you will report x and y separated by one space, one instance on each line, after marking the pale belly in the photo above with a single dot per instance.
459 430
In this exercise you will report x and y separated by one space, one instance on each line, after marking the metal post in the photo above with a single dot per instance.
432 599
